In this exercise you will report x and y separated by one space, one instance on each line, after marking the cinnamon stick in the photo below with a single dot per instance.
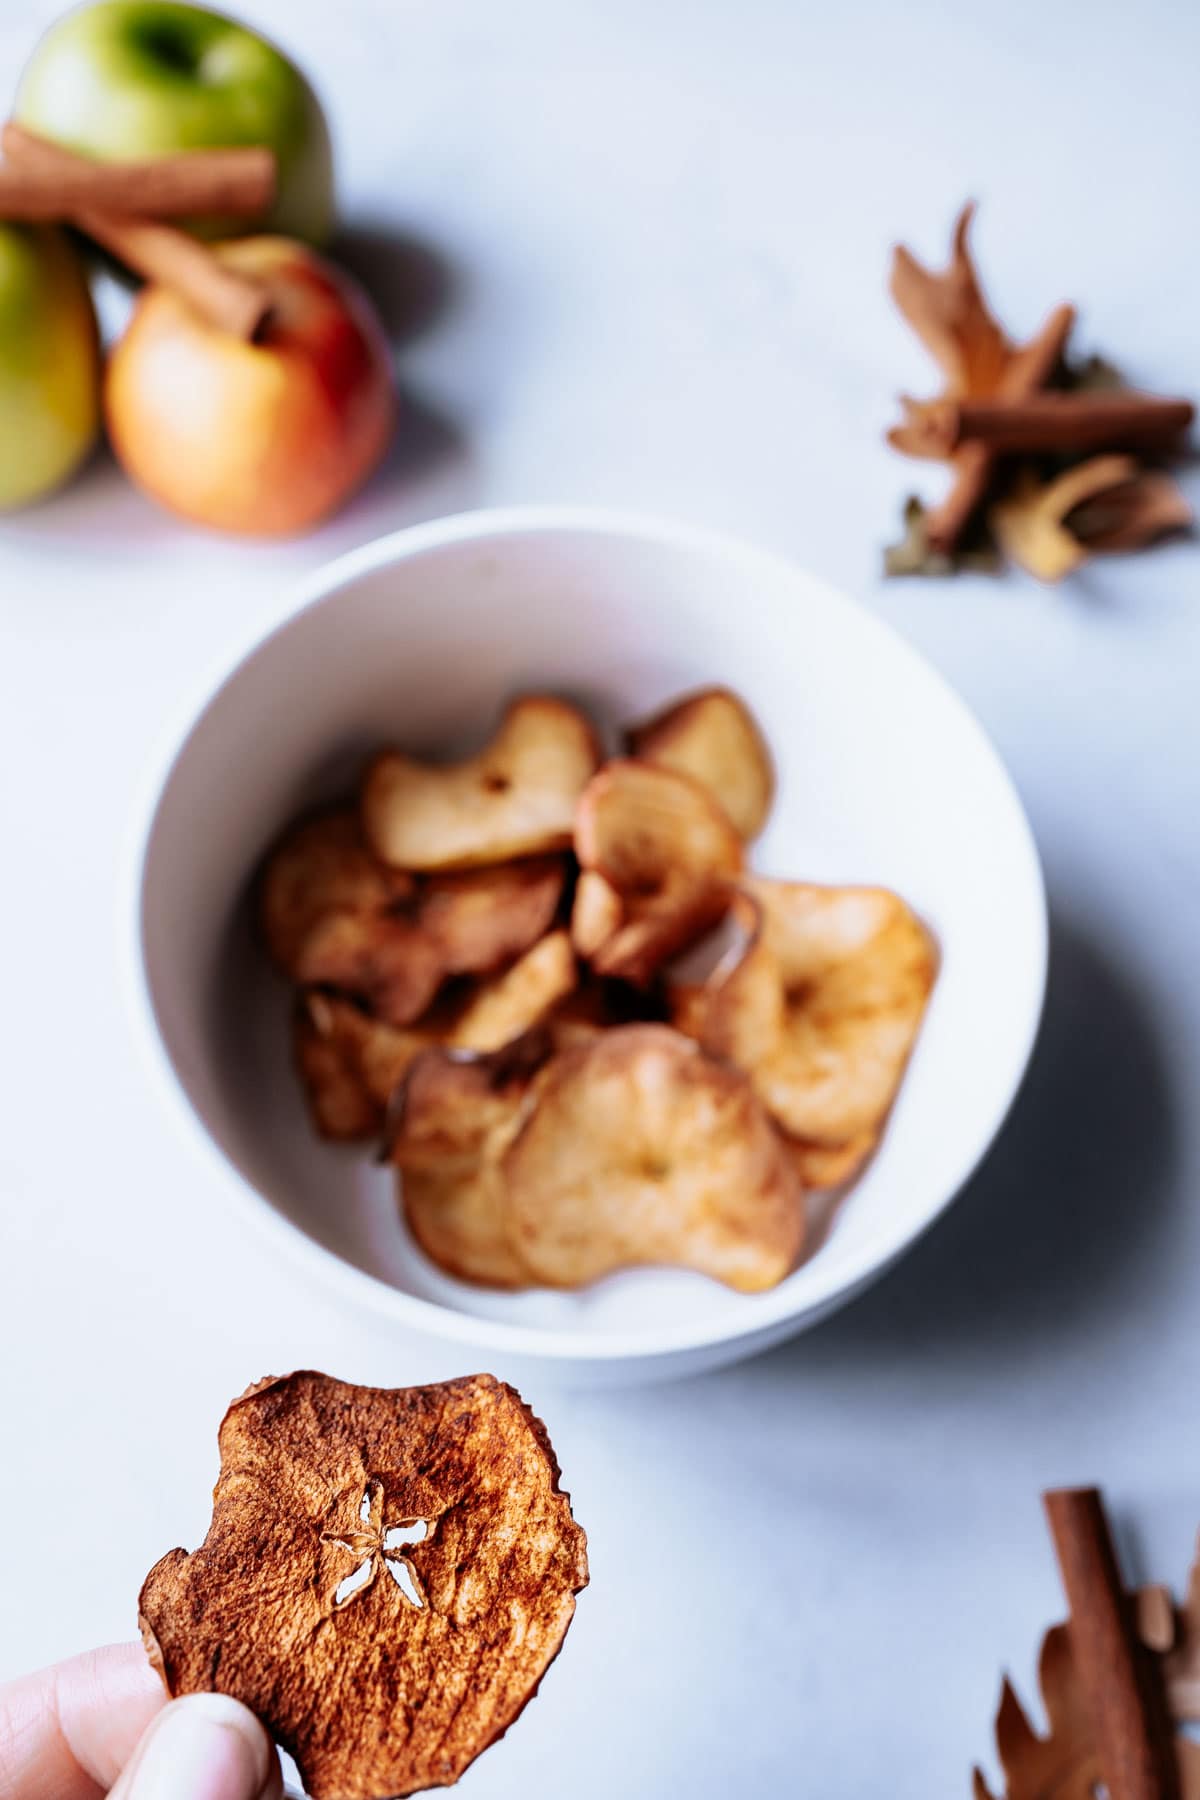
1127 1710
198 182
230 301
1028 371
1036 423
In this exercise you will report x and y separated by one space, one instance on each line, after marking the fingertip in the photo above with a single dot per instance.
203 1747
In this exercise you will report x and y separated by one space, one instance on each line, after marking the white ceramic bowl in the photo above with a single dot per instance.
884 777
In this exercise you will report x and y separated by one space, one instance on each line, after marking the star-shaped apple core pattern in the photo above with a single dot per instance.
377 1543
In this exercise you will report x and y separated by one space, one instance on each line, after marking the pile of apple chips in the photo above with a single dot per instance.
486 957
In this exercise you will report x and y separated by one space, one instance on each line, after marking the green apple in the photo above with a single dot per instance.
123 79
49 362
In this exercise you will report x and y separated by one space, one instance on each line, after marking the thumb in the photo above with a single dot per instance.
202 1747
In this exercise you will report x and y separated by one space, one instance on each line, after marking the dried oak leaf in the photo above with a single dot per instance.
949 314
978 360
915 555
386 1578
1064 1764
1093 375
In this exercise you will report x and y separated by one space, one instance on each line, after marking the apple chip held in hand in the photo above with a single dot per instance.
386 1578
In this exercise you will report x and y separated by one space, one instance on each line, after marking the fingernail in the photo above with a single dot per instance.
203 1747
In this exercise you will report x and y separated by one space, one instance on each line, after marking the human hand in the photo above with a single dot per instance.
101 1724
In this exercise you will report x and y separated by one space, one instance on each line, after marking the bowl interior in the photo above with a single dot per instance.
883 777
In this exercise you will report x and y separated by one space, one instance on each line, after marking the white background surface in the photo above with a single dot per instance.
665 230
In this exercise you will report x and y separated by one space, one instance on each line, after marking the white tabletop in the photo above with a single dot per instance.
662 233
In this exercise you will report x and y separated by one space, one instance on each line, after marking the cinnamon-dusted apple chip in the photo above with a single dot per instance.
482 918
452 1122
350 1064
510 1004
640 1148
390 963
671 855
596 913
321 867
332 915
453 1101
713 737
386 1578
822 1166
822 1006
515 798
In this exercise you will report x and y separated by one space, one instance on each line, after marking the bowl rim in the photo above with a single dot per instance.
776 1313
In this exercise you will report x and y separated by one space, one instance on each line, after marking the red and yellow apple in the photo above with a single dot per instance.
266 437
49 363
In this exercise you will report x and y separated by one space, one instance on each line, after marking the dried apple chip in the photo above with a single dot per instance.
319 869
454 1102
515 798
823 1005
669 852
596 913
453 1120
350 1064
822 1166
386 1578
714 737
338 1100
510 1004
457 1217
482 918
641 1149
390 963
333 916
